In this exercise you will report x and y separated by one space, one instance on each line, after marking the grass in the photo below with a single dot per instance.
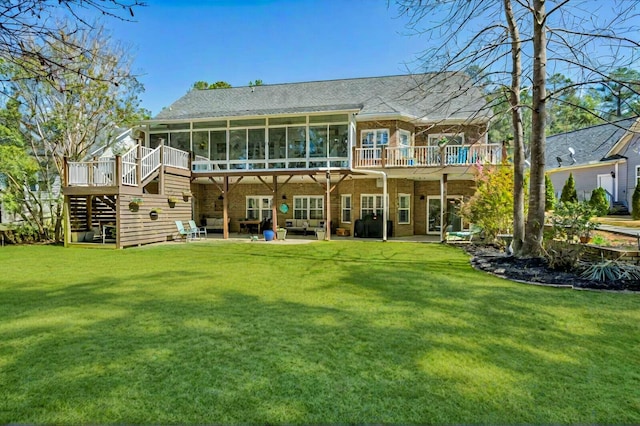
626 221
339 332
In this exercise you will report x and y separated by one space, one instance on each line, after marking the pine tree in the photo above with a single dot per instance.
599 201
569 194
549 194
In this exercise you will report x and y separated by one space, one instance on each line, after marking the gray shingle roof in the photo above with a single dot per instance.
591 144
430 97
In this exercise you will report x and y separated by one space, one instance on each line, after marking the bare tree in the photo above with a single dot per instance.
517 127
81 105
584 38
28 26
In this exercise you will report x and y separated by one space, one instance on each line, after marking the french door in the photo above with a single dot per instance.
434 220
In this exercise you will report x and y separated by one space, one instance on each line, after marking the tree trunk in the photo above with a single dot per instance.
535 220
518 132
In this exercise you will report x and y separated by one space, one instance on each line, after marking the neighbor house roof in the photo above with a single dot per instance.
591 144
423 97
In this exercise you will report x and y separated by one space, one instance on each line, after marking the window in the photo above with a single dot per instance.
370 205
345 209
449 138
259 208
404 208
308 207
404 138
637 175
374 138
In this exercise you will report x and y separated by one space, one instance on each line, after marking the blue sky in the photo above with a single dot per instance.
176 43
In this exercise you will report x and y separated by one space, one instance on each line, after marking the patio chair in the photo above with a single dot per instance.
187 233
462 235
198 230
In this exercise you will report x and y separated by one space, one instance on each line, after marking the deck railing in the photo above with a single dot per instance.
175 158
102 172
130 168
91 173
150 161
428 156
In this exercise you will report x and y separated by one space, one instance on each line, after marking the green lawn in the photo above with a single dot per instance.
328 332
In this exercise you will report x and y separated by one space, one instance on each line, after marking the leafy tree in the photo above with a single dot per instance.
549 194
19 172
203 85
635 203
569 194
491 206
78 110
599 201
255 83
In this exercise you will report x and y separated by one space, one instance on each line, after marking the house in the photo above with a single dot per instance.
606 156
354 154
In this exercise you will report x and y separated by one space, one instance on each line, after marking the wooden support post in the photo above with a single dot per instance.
274 205
443 208
66 220
327 223
161 172
65 170
139 163
89 208
225 209
118 171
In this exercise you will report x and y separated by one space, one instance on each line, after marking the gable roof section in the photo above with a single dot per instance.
424 97
591 144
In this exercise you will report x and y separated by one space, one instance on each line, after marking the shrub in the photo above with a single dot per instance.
599 202
549 194
635 203
569 194
610 271
561 255
24 233
571 220
491 207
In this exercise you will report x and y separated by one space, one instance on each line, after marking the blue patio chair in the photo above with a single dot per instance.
198 230
187 233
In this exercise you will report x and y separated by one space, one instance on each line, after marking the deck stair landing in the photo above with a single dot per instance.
101 193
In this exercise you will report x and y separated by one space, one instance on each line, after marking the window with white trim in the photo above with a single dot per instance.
308 207
404 138
345 206
438 139
259 208
370 205
374 138
637 175
404 208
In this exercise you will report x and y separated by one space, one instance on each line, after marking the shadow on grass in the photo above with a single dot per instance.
375 339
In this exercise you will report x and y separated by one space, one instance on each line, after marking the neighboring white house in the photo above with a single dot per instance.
606 156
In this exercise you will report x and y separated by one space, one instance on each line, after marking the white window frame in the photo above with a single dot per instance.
637 176
378 205
407 209
374 143
346 205
439 217
402 132
260 199
434 138
306 209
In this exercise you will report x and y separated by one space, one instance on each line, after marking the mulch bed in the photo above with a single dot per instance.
536 270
